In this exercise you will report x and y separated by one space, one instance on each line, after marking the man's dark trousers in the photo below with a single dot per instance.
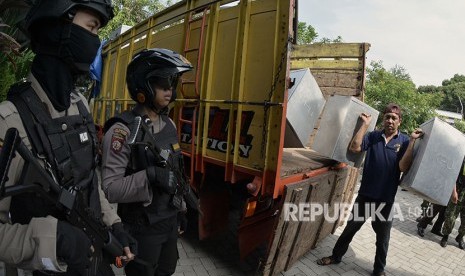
360 212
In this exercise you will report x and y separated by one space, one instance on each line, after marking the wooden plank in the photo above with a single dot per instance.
308 230
348 194
355 65
289 232
338 79
330 50
334 202
285 230
301 160
339 68
328 91
293 239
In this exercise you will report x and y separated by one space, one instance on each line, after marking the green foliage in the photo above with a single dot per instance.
130 12
7 79
395 85
10 13
454 93
428 89
338 39
306 34
460 125
14 64
14 71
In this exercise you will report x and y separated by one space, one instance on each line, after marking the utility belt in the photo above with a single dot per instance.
140 219
141 224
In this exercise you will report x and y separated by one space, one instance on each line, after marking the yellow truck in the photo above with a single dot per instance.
231 115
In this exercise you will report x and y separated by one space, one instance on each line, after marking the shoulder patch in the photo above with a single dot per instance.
117 139
119 131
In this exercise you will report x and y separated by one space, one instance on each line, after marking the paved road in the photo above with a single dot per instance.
408 253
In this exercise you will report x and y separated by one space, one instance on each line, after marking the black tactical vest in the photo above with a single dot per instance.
68 144
167 139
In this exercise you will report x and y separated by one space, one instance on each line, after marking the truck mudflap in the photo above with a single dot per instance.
310 211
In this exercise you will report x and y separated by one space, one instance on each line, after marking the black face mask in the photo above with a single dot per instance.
83 47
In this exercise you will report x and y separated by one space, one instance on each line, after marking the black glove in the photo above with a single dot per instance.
123 237
73 246
162 178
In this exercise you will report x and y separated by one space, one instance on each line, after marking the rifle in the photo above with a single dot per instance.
161 160
36 179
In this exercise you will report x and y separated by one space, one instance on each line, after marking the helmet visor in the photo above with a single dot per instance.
165 83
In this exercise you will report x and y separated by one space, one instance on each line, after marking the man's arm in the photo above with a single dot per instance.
356 143
118 187
407 158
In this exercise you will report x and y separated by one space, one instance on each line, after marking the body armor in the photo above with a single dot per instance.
66 145
160 208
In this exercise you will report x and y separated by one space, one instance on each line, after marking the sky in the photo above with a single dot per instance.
426 37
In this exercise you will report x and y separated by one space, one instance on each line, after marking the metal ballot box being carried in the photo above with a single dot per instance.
305 103
339 122
438 156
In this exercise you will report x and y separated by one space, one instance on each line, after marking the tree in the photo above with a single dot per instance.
338 39
131 12
14 64
454 93
8 17
428 89
460 125
395 85
305 34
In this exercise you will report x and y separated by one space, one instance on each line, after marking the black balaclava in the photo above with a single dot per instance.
63 51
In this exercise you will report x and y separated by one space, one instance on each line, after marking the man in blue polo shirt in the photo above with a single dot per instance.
388 153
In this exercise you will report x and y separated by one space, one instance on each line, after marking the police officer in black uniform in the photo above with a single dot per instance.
53 120
142 162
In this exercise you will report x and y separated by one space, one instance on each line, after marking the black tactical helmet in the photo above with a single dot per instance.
51 9
157 65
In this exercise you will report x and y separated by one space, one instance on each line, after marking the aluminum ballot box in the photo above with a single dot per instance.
305 103
438 156
339 122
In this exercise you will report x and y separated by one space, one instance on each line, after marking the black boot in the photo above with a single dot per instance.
444 240
420 230
459 240
423 214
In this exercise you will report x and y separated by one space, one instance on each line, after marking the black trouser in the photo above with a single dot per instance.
104 269
157 245
436 209
382 229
